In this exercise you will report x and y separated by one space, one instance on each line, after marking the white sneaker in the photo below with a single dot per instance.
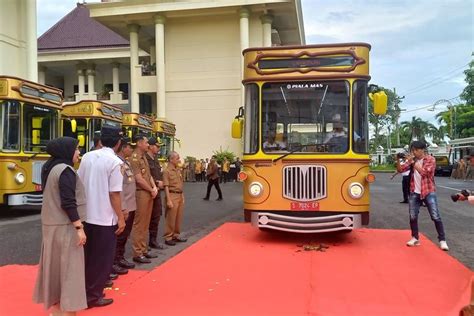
443 245
413 242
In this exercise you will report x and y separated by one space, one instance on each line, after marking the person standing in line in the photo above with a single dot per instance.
191 170
422 188
225 170
454 172
157 175
100 171
205 163
461 168
60 284
213 179
129 204
173 183
469 169
146 192
197 170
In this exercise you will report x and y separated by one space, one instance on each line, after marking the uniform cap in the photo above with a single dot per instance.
111 131
155 141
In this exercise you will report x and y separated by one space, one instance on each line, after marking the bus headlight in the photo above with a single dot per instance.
20 178
255 189
356 190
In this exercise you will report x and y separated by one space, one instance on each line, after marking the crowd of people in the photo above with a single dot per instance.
195 170
463 168
88 216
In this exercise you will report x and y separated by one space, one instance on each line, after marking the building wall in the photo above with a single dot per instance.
203 81
13 38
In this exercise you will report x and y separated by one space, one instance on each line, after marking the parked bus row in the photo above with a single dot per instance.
32 114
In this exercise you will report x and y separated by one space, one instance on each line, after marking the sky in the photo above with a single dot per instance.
420 48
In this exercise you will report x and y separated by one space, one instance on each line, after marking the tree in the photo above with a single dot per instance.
418 128
468 92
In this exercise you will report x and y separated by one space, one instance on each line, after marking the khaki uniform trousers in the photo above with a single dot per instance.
174 216
141 222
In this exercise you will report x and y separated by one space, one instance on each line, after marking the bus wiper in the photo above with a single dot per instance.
288 153
33 156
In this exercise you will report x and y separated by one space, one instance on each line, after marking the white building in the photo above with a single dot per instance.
192 56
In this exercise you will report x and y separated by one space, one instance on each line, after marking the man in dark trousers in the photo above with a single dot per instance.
156 172
213 178
100 171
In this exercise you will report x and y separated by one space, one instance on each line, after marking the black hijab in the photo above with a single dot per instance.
62 151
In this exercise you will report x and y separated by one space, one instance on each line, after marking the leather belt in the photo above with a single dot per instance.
177 192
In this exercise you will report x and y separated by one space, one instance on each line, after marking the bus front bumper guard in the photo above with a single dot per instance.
320 224
25 199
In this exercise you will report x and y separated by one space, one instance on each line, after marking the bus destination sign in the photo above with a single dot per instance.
309 62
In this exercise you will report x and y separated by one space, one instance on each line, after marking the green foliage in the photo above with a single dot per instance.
221 154
418 128
386 167
468 92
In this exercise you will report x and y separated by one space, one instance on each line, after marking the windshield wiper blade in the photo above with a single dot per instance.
288 153
33 156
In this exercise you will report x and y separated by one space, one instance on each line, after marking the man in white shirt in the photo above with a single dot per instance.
100 171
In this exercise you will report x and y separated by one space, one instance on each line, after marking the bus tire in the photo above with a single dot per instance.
247 216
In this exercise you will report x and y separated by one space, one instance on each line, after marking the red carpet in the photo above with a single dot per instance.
238 270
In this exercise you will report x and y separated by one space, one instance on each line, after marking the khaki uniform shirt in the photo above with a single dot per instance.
129 186
173 179
140 165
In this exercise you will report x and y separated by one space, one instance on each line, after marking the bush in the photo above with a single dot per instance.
221 154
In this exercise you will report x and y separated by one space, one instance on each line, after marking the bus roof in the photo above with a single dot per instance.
161 125
137 119
93 109
14 88
306 46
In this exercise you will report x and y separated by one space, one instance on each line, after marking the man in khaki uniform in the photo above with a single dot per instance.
146 192
173 183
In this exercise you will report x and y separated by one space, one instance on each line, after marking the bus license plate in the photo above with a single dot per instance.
304 206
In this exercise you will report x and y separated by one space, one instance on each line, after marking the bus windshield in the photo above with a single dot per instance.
310 116
39 127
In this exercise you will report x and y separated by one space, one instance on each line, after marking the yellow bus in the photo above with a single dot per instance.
166 132
135 123
29 114
83 119
305 128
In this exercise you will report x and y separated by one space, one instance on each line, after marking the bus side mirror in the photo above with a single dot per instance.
237 125
379 100
129 134
82 140
35 137
73 125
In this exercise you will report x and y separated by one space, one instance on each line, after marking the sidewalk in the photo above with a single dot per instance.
239 270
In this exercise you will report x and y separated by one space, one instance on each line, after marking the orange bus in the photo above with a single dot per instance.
305 130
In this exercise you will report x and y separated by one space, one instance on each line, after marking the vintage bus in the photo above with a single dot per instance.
29 114
166 132
134 124
83 119
305 126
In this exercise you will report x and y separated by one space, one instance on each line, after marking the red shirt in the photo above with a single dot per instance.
427 176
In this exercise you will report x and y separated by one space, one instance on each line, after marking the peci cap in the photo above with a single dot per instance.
111 131
155 141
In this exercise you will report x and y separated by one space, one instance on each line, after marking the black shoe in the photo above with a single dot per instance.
404 202
100 302
179 239
219 199
153 244
109 283
141 259
113 276
126 264
205 199
150 255
170 242
119 270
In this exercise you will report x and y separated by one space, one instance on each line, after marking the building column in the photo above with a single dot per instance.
267 20
115 94
92 95
42 75
152 53
244 43
31 41
133 95
81 86
160 65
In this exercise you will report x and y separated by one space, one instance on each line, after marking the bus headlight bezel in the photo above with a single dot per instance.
20 178
356 190
255 189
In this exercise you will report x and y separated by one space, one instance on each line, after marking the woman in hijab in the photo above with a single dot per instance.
60 284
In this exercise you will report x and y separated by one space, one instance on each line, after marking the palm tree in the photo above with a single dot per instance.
418 128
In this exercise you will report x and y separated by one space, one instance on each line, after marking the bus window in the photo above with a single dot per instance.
251 123
10 127
312 116
39 127
360 135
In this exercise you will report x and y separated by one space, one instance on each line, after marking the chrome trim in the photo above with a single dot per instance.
320 224
304 182
25 199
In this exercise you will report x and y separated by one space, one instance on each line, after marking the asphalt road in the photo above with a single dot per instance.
20 230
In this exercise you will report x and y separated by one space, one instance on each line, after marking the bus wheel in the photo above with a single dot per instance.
247 216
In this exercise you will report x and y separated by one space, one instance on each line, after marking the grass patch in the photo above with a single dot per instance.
383 168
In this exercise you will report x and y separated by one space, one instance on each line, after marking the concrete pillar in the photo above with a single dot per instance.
42 75
160 65
91 82
244 43
80 84
152 53
31 41
133 95
267 20
115 94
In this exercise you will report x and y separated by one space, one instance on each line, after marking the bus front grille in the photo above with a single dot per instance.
37 166
304 182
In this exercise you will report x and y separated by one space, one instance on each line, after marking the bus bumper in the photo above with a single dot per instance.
25 199
320 224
